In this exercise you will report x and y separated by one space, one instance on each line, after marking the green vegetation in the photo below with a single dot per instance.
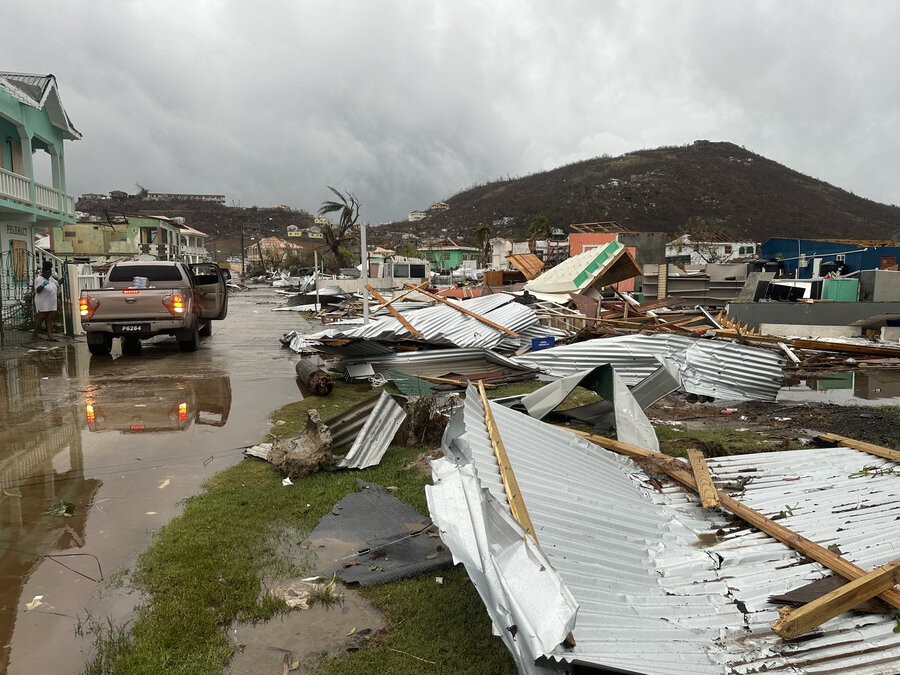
719 442
205 570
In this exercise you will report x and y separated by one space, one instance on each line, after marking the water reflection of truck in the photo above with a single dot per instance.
169 404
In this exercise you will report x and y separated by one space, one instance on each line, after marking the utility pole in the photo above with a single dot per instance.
243 263
364 255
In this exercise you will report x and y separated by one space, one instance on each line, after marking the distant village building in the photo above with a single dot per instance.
94 196
686 251
417 215
449 254
322 220
118 194
178 197
128 236
439 206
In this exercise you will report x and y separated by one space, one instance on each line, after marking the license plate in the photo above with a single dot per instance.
133 328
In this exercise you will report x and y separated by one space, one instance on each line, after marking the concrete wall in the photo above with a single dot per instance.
879 286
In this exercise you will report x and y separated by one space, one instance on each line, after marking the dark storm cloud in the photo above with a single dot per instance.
405 103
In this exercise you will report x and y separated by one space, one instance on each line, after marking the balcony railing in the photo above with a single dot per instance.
18 189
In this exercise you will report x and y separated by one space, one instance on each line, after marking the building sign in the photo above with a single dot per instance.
16 229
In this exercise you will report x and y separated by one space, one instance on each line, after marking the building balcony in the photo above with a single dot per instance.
15 195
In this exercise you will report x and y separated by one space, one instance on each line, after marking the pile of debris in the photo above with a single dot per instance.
583 556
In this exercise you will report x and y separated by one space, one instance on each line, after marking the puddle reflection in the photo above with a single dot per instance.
41 463
868 387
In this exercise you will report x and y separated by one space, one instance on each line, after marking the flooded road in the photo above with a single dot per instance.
97 453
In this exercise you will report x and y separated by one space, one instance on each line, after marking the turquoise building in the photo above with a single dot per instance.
33 198
449 255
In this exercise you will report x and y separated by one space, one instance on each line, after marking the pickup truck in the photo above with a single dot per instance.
140 300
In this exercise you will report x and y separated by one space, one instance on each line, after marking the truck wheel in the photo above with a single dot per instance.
99 344
206 329
191 344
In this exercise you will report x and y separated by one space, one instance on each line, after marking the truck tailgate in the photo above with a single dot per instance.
133 304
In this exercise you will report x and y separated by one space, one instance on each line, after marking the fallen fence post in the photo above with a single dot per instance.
792 623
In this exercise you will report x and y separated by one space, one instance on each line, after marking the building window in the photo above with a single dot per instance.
727 249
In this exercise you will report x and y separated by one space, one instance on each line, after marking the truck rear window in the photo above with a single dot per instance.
152 272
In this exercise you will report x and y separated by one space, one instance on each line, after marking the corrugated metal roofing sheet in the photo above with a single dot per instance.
437 362
372 425
723 370
653 598
445 325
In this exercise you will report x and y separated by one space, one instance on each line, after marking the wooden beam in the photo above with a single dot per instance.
510 485
709 495
397 315
678 470
821 345
413 289
792 623
878 450
450 380
467 311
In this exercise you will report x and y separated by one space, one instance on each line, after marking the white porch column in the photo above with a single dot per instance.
27 164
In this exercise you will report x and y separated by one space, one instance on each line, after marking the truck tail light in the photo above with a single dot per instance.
88 305
174 303
89 409
182 411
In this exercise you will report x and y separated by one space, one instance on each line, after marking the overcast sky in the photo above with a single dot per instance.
408 102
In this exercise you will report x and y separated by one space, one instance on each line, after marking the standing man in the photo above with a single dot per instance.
46 289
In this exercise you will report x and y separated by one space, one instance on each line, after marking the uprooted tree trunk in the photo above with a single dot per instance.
316 380
308 453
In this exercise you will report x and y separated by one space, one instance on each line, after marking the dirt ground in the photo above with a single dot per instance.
784 425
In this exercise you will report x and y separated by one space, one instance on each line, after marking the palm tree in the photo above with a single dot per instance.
482 235
540 227
337 235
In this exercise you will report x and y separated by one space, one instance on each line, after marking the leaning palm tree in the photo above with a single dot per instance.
336 235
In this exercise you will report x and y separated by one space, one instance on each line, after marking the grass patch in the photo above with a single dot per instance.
206 568
445 624
719 442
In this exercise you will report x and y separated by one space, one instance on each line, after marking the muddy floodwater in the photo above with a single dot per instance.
96 453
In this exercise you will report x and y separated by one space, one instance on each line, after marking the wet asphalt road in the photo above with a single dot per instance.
123 440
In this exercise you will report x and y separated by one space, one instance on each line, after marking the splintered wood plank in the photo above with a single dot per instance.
680 471
464 311
397 315
709 495
510 484
794 622
878 450
400 296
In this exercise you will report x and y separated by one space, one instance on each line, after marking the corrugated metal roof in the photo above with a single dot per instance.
373 439
444 325
653 598
437 362
723 370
